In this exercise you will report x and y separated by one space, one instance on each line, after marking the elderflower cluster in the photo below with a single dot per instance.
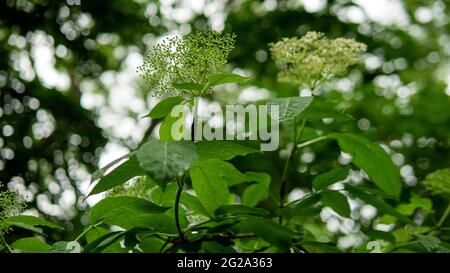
10 204
186 60
439 182
312 58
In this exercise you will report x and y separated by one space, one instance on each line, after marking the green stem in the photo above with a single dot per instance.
177 205
283 182
87 230
444 216
3 241
312 141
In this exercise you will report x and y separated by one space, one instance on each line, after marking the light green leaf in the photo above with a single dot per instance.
120 175
380 205
324 180
25 220
211 179
318 112
66 247
217 79
254 193
193 204
30 245
337 202
164 107
290 108
373 160
222 149
127 212
165 130
270 232
430 242
164 160
239 210
188 86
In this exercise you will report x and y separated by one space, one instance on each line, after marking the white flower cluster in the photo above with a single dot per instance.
312 58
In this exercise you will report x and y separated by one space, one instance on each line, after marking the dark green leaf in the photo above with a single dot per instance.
239 210
324 180
380 205
164 160
373 160
337 201
164 107
221 149
120 175
290 108
378 234
256 191
270 232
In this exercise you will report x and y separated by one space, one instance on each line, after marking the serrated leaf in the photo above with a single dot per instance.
270 232
120 175
236 210
164 107
217 79
166 160
290 108
222 149
324 180
380 205
211 179
127 212
373 160
26 220
254 193
30 245
337 201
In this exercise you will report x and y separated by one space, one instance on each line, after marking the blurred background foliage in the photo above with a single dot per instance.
71 99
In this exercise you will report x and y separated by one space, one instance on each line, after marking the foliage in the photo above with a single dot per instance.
364 142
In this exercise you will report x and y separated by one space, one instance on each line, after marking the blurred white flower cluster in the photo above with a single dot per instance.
313 58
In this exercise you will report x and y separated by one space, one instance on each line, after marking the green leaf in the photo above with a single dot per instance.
221 149
318 112
120 175
318 247
165 130
127 212
290 108
270 232
217 79
66 247
380 205
225 210
373 160
371 190
25 220
188 86
211 179
30 245
378 234
254 193
430 242
193 204
415 202
305 203
337 202
164 107
324 180
164 160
